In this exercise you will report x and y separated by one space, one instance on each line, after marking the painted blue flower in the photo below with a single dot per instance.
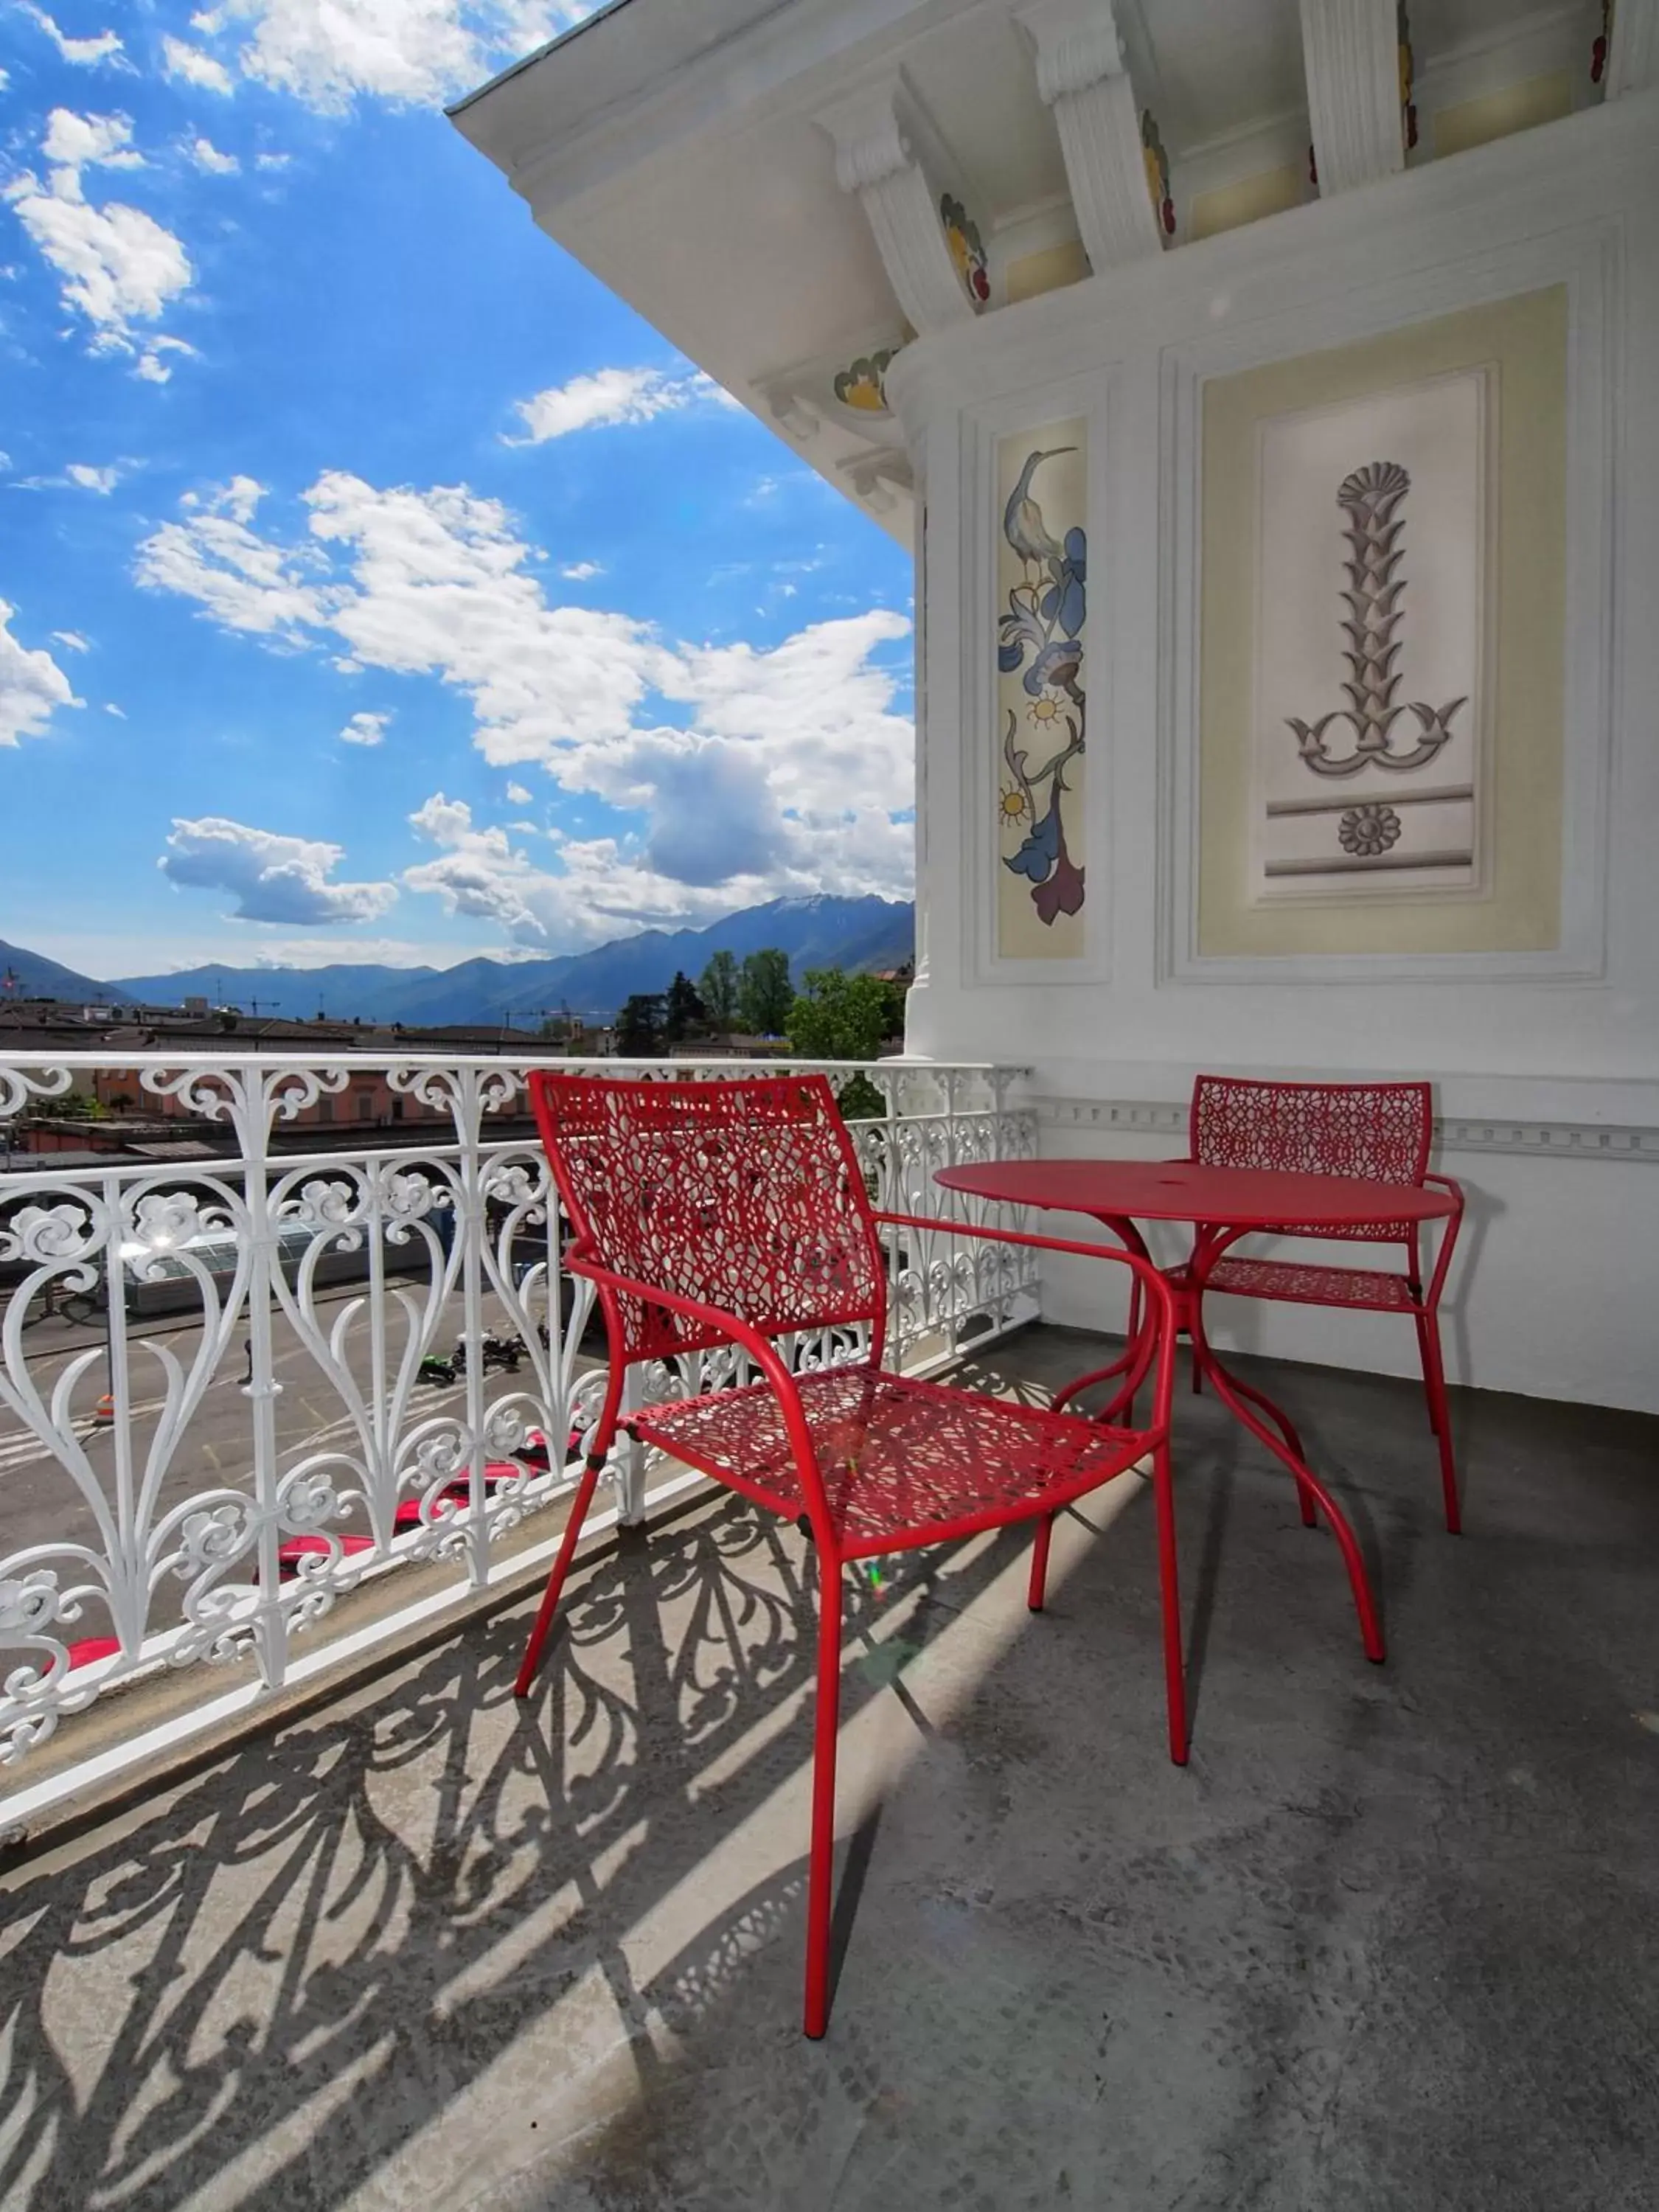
1037 855
1064 603
1056 667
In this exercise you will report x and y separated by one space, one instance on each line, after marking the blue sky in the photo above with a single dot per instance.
380 587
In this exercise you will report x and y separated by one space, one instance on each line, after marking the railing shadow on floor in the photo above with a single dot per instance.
294 1938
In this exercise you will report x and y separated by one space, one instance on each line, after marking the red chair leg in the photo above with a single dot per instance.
1434 1381
573 1529
1174 1678
1423 1356
1034 1589
820 1856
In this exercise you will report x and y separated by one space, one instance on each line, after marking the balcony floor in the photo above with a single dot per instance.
1391 1942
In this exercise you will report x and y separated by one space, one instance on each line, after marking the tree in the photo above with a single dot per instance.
765 993
684 1012
71 1106
720 986
639 1025
840 1016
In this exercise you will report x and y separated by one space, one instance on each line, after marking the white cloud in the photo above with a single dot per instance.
90 479
106 47
411 51
600 892
239 578
607 397
272 877
785 771
151 364
32 686
85 141
324 952
272 161
364 729
190 65
119 713
581 572
117 265
73 639
207 158
518 795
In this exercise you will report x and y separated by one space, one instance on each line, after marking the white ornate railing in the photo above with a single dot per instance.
160 1503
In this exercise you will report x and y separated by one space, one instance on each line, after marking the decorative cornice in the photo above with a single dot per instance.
792 413
879 478
1349 51
868 137
1632 47
1454 1133
1077 45
879 133
1081 74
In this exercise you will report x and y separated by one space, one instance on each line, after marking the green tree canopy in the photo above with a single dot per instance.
640 1025
720 986
683 1012
765 993
840 1016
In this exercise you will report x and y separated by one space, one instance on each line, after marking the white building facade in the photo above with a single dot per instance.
1272 396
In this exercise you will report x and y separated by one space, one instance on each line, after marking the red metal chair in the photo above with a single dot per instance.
717 1213
1379 1131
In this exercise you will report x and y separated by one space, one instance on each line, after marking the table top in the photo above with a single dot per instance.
1182 1190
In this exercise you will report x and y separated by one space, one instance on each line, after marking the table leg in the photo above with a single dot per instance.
1282 1440
1138 1350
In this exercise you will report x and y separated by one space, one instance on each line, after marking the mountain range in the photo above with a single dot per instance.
819 932
28 974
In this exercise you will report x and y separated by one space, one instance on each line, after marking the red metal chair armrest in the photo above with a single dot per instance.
1145 1274
760 1349
1131 1260
1453 1223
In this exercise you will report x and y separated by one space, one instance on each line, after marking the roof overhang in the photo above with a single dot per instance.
770 183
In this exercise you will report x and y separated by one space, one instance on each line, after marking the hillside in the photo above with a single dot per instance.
40 978
821 932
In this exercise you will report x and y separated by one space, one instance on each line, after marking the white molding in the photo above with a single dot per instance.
1632 48
1585 259
881 478
794 416
1351 55
1083 77
1456 1133
880 134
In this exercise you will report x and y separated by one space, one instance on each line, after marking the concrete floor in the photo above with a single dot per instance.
1391 1942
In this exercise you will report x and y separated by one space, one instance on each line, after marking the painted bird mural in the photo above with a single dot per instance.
1023 525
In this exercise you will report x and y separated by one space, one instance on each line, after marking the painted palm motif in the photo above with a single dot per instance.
1040 633
1372 498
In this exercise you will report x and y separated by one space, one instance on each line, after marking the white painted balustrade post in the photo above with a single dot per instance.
252 1103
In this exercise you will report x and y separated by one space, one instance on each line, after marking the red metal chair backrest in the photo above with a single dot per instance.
1379 1132
747 1195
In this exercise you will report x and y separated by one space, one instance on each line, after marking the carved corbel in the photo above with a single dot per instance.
1351 53
886 156
1082 75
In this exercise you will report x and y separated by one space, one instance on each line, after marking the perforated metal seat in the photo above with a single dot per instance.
898 1458
1298 1283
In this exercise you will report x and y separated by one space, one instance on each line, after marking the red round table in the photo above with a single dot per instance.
1222 1204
